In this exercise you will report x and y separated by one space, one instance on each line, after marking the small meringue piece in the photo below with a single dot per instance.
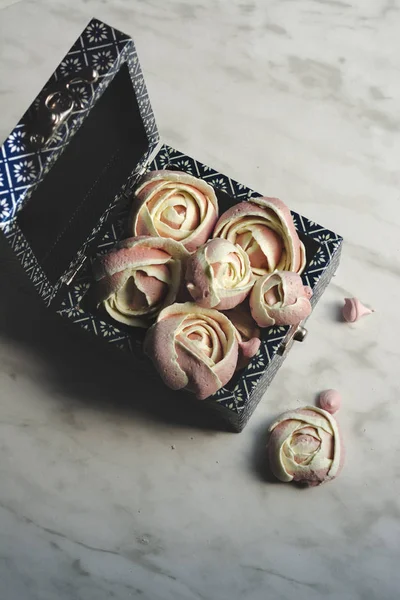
353 310
249 335
330 400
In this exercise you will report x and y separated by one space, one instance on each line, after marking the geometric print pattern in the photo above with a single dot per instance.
22 169
239 398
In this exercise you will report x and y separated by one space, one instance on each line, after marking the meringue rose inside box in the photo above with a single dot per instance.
68 175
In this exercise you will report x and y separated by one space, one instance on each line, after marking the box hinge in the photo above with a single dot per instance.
75 270
141 170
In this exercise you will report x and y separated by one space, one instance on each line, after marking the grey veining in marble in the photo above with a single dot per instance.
102 495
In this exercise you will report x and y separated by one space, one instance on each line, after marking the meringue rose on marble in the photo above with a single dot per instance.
173 204
280 299
138 278
218 275
193 348
305 446
264 228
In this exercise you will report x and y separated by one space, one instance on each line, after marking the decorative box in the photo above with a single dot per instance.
67 172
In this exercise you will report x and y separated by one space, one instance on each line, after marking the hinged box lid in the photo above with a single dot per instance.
75 152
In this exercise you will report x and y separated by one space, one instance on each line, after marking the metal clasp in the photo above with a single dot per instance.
57 106
296 333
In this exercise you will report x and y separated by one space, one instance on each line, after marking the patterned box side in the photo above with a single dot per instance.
236 401
21 169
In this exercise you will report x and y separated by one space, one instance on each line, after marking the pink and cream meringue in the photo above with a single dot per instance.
280 299
193 348
353 310
218 275
249 334
175 205
330 400
139 278
264 228
305 446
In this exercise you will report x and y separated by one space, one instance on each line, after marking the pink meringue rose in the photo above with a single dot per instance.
138 278
280 299
174 205
264 228
247 349
218 275
193 348
305 446
353 310
330 400
249 334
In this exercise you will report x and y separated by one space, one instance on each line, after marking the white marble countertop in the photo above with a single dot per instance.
100 498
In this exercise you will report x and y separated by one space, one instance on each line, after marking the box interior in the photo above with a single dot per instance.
62 211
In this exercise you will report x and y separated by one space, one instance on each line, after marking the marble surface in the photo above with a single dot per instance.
103 495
